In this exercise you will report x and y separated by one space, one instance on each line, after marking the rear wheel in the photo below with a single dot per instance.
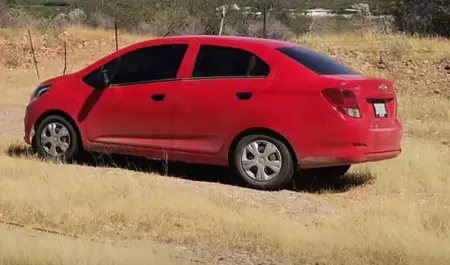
56 139
263 162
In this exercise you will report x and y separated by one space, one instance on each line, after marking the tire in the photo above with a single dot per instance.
52 126
329 173
270 180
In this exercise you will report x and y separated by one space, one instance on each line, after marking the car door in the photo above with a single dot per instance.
217 97
137 109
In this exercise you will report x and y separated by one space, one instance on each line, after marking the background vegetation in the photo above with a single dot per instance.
166 17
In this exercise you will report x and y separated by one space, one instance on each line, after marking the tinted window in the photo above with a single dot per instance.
317 62
144 65
215 61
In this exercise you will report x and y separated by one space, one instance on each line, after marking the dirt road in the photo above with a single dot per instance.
11 122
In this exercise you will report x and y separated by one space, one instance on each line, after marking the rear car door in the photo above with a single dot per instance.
137 109
215 100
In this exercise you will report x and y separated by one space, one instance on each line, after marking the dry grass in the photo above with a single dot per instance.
402 218
30 248
397 47
401 214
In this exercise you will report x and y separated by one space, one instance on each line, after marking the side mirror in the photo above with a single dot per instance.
104 79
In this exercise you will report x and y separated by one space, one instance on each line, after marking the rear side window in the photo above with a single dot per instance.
216 61
316 61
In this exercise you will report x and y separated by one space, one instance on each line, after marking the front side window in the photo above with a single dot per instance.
143 65
216 62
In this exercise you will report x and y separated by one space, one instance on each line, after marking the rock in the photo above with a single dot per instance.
381 65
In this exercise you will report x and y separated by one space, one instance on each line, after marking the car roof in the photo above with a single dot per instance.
229 39
209 39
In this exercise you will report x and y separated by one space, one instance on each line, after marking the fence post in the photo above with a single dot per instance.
34 55
265 20
116 34
65 58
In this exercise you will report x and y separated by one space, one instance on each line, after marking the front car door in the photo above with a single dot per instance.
217 98
137 109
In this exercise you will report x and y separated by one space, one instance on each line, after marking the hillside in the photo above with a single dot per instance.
418 66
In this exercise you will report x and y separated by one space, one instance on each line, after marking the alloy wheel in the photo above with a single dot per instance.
55 139
261 160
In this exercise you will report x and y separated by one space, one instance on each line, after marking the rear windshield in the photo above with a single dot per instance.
316 62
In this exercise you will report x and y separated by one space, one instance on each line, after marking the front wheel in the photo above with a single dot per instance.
263 162
56 139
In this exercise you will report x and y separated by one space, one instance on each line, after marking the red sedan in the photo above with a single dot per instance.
263 107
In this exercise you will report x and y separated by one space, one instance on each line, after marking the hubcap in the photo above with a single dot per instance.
55 139
261 160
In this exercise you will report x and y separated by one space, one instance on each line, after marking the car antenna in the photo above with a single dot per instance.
65 57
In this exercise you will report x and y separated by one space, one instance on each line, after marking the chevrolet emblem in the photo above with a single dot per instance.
383 87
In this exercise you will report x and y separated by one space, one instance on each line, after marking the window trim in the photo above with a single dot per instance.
192 77
227 77
146 82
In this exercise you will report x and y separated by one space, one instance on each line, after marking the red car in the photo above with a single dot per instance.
263 107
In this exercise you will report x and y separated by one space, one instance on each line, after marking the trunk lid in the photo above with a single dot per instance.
376 98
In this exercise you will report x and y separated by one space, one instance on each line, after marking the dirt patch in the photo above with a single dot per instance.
11 122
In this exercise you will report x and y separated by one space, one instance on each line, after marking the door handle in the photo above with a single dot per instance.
158 97
244 95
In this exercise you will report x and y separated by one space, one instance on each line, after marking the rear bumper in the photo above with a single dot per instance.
349 145
353 157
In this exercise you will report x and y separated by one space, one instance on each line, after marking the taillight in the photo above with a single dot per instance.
344 100
396 106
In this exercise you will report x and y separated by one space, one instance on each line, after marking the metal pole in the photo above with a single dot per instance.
222 19
264 20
